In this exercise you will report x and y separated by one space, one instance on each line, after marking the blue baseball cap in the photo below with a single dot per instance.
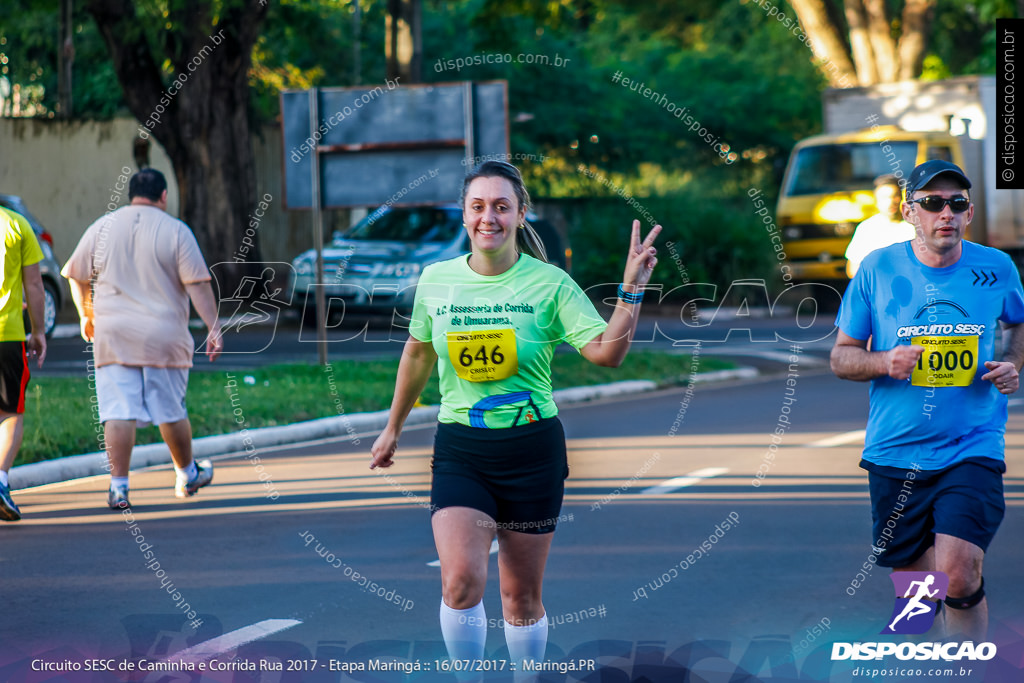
929 170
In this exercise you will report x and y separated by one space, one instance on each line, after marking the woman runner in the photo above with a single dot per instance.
492 320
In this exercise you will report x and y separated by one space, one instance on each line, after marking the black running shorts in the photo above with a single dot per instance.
964 500
516 476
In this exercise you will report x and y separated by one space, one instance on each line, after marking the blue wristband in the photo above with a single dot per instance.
630 298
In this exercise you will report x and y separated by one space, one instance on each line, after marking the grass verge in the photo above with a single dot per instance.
60 418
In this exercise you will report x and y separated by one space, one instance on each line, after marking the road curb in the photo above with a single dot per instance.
91 464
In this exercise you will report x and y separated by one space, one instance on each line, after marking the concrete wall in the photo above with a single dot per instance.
67 172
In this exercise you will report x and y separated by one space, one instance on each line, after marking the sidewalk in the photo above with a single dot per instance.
91 464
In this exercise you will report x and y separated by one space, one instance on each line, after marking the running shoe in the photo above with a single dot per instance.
9 512
204 475
117 498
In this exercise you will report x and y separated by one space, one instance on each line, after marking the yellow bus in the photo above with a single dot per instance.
828 189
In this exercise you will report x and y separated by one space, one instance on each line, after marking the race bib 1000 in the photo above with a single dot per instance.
946 361
483 356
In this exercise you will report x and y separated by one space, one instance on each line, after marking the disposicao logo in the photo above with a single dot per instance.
917 600
918 595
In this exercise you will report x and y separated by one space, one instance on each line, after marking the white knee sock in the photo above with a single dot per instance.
465 635
526 642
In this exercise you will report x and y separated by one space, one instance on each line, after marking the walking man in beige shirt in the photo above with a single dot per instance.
132 276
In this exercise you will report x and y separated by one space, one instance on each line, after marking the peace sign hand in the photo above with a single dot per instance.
641 259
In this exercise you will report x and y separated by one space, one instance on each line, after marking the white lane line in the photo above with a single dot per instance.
690 479
786 357
494 551
233 640
1015 402
856 436
766 354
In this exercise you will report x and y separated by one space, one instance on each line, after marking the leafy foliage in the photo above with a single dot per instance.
726 71
964 37
708 235
307 43
29 44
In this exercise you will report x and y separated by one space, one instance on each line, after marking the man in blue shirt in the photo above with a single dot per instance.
930 309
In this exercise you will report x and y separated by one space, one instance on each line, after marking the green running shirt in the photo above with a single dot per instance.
495 337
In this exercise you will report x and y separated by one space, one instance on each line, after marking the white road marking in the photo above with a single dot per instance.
856 436
494 551
782 357
233 640
690 479
805 359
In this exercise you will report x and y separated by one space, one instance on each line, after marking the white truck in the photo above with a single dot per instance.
890 128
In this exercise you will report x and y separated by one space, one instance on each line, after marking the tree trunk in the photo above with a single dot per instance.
403 36
877 58
826 42
917 17
203 124
65 61
882 44
860 43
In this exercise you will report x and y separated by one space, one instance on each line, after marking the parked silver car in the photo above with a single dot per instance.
376 264
54 287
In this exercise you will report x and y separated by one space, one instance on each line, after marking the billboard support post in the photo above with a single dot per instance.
318 231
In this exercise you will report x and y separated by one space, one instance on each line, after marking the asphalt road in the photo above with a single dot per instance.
652 478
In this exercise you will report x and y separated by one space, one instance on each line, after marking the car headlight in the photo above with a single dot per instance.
400 269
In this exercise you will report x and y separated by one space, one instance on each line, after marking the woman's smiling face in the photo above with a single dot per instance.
491 214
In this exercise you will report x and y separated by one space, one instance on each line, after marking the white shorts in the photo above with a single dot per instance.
146 395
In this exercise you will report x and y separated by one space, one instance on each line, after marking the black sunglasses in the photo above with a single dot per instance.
934 203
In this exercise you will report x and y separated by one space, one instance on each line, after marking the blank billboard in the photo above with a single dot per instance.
392 143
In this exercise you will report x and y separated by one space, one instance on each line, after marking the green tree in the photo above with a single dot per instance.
183 68
866 42
29 46
310 43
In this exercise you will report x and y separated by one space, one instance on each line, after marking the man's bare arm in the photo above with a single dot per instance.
1013 345
201 294
851 359
36 298
1005 373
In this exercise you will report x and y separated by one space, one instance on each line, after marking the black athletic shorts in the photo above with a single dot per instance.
964 500
516 476
13 376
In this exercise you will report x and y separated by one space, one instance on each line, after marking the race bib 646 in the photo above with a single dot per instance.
484 355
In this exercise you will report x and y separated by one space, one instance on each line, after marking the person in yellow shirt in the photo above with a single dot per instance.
21 257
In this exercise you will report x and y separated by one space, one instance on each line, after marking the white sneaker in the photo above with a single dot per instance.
204 475
117 498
